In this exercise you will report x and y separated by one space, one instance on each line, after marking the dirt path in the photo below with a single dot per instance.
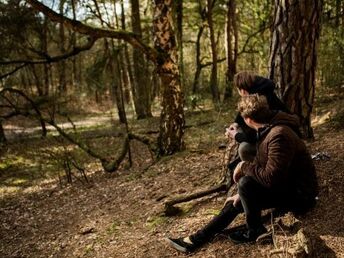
28 129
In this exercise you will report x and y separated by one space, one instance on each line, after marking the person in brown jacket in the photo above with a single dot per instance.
282 175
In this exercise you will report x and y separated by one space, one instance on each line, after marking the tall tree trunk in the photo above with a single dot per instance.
125 62
172 115
62 65
141 92
231 47
46 67
195 84
293 55
116 82
213 75
2 134
202 13
74 81
179 36
38 82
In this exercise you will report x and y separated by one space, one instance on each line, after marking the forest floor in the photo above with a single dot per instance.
120 214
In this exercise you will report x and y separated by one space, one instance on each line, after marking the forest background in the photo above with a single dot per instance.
103 102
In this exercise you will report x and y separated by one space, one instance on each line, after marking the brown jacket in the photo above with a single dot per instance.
282 161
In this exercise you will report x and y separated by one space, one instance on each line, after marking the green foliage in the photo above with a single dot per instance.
194 101
153 222
331 48
113 228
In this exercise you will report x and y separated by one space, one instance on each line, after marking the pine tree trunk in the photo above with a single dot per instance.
202 13
213 75
46 67
123 61
293 55
62 64
118 88
179 34
195 85
142 87
172 115
231 47
2 134
74 81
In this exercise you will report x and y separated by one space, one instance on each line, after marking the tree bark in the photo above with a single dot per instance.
195 85
231 47
125 62
202 13
293 55
46 67
141 89
213 75
2 134
179 36
172 120
62 64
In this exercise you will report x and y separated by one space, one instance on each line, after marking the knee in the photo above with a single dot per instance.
246 151
246 182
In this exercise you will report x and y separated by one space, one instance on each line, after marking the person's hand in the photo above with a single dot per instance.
237 174
235 199
232 130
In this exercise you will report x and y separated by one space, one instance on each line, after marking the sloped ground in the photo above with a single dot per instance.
119 215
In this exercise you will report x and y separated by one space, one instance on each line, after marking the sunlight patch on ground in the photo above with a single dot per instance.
321 119
8 190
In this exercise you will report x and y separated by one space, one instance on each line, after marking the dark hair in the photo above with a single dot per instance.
244 80
255 107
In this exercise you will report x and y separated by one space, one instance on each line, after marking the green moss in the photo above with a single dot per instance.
113 228
155 221
213 212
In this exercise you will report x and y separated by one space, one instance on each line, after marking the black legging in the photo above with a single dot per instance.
254 198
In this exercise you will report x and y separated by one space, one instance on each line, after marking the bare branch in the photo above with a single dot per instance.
48 59
78 26
13 71
260 30
210 63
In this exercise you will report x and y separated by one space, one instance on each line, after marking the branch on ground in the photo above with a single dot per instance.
170 210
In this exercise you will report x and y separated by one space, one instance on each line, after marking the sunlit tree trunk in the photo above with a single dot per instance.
293 55
213 75
141 89
231 47
172 115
